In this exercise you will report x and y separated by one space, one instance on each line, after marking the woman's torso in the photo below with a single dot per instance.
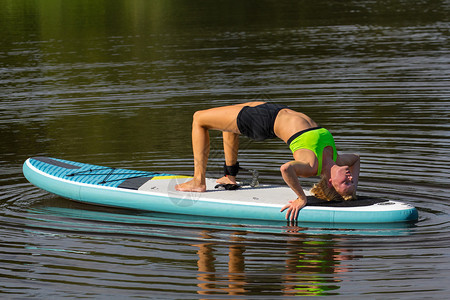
289 122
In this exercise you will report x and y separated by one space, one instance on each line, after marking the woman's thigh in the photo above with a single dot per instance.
222 118
219 118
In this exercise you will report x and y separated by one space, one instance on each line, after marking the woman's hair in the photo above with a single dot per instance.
323 191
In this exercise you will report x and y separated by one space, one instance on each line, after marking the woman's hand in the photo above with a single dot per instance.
353 161
293 208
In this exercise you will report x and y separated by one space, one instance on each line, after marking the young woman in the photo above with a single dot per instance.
313 149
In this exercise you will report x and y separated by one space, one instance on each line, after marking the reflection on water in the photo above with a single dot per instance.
116 83
309 267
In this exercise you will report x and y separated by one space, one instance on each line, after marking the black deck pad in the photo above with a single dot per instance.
134 183
361 201
54 162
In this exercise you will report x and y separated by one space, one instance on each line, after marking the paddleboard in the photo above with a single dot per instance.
153 191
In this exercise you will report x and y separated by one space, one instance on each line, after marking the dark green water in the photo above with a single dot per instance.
116 83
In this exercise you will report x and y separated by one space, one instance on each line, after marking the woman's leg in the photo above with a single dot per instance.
230 148
220 118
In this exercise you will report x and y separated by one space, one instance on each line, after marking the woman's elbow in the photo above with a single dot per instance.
294 168
356 159
285 168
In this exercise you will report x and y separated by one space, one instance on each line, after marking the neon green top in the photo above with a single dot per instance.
315 140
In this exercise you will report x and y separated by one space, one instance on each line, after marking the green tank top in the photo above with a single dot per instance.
315 140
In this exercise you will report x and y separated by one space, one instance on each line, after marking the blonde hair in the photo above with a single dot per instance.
323 191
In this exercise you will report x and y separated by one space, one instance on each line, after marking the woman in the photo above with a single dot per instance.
313 149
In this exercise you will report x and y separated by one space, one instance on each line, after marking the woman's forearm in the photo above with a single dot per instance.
290 176
354 169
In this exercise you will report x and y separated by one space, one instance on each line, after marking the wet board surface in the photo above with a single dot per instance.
152 191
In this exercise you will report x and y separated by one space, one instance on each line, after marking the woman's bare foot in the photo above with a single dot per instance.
227 180
191 186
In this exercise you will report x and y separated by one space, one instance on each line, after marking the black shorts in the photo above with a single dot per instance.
257 122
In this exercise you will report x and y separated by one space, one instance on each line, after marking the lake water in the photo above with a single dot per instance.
116 83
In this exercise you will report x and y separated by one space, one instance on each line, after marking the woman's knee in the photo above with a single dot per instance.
198 116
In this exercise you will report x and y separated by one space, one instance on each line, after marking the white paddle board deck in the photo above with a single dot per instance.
153 191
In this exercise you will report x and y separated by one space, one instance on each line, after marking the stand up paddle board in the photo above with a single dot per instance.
152 191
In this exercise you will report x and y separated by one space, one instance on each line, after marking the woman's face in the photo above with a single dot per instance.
342 180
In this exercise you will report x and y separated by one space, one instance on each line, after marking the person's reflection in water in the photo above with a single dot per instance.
236 266
310 267
207 272
206 269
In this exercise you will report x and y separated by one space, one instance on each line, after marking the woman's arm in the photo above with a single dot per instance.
290 172
347 159
353 161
